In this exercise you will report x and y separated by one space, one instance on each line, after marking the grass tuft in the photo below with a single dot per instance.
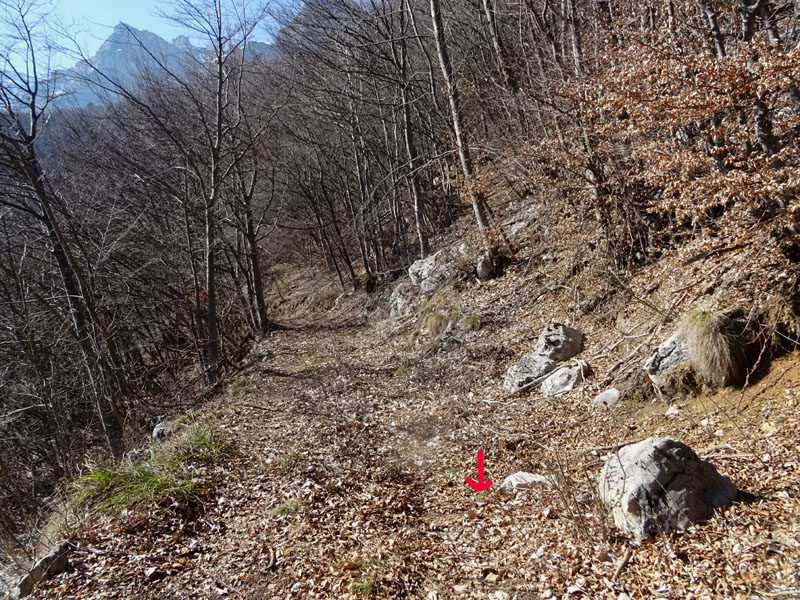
364 587
288 508
716 345
172 473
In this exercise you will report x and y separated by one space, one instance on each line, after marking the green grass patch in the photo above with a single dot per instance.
289 508
364 587
174 472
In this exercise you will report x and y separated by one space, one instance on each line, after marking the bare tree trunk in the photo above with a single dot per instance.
463 149
509 81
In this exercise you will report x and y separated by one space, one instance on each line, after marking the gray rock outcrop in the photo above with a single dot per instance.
559 342
670 353
564 379
49 566
659 485
485 269
432 272
530 368
401 301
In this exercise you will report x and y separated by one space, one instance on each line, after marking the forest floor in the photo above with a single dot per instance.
355 433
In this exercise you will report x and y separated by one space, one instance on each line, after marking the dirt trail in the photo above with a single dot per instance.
353 451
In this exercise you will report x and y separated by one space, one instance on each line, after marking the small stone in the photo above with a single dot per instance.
153 574
486 269
523 481
460 589
607 398
499 595
672 411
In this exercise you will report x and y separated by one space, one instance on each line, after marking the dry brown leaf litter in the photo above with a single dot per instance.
370 440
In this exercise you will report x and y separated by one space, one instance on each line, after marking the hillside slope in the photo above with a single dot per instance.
355 433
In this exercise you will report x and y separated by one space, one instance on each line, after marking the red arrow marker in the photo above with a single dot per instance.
479 485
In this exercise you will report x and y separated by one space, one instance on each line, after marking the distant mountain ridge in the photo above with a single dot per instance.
127 53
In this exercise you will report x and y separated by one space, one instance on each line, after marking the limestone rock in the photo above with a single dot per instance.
421 269
49 566
669 354
607 398
163 430
559 342
523 481
432 272
529 368
401 301
660 485
564 379
486 269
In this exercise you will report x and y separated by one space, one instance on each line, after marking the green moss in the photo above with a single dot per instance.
471 323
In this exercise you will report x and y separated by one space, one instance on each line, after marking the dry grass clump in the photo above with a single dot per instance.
717 344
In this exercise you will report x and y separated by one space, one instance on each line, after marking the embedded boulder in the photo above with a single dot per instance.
49 566
564 379
559 342
486 268
669 354
528 369
401 301
659 485
421 269
608 398
523 481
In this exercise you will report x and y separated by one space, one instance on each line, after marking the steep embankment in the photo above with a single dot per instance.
355 434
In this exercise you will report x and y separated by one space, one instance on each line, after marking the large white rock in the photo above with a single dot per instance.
523 481
669 354
559 342
659 485
421 269
434 271
529 368
564 379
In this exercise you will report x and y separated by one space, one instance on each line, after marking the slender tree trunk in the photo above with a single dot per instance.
463 149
